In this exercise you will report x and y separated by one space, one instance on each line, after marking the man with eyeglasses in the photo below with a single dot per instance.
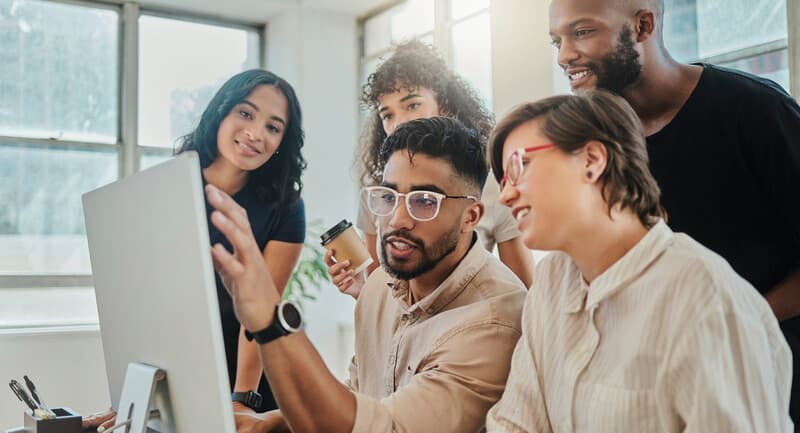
436 325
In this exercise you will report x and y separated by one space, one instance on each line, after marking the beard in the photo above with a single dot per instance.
405 269
621 67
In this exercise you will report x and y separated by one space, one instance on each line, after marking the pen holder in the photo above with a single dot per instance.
66 421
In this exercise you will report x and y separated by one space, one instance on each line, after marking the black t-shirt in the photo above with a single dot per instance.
729 170
270 222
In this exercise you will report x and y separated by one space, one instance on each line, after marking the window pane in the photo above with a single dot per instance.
414 18
151 157
704 28
680 29
41 219
58 71
181 65
378 33
472 53
427 39
774 66
461 8
368 67
728 25
405 21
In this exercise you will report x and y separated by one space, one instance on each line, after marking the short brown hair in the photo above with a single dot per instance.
570 121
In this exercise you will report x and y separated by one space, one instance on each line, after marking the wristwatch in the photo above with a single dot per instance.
287 321
250 399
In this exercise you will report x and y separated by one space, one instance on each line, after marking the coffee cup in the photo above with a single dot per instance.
343 240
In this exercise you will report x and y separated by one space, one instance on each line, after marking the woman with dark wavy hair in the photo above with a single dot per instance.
415 83
249 140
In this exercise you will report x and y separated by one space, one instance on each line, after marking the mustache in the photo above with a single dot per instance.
592 66
403 234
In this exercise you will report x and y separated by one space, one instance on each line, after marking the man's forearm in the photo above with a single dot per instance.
784 298
248 365
310 397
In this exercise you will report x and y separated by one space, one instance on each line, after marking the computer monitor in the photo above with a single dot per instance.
155 289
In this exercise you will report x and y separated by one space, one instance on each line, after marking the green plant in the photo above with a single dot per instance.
311 271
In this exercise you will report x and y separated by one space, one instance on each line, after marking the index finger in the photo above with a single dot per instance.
222 202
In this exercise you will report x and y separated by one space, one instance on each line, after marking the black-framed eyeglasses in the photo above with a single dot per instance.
421 205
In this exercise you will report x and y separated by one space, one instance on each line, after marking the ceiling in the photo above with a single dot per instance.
257 11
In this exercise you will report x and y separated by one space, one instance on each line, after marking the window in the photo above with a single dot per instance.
458 28
58 64
41 220
176 78
63 130
413 18
472 44
58 123
750 35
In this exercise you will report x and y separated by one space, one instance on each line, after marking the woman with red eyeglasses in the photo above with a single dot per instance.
628 326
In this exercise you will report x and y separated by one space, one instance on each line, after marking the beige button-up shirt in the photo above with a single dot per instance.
668 339
436 366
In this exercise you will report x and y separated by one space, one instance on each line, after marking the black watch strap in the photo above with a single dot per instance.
250 399
287 320
271 332
265 335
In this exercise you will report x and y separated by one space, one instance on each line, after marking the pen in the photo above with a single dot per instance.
35 395
32 389
21 394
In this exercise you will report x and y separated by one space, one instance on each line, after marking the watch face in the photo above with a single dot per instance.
291 317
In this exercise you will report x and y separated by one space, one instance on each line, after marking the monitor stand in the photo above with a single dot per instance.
144 404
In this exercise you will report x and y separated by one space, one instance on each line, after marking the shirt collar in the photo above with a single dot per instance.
630 266
449 289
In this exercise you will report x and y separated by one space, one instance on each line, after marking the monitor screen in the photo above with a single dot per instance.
155 289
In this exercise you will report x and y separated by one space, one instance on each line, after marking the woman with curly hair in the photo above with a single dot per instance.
416 83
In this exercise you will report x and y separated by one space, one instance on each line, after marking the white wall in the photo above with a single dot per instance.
522 56
66 365
523 60
317 52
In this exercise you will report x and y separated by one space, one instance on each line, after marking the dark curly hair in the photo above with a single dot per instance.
415 64
443 138
278 180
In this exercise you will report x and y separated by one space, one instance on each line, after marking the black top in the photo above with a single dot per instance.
270 222
729 170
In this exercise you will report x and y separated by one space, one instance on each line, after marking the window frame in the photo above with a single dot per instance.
791 43
126 146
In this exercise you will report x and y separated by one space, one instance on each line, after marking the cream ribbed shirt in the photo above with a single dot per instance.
668 339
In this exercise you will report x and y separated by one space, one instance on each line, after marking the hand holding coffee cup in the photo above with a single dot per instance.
343 277
347 257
